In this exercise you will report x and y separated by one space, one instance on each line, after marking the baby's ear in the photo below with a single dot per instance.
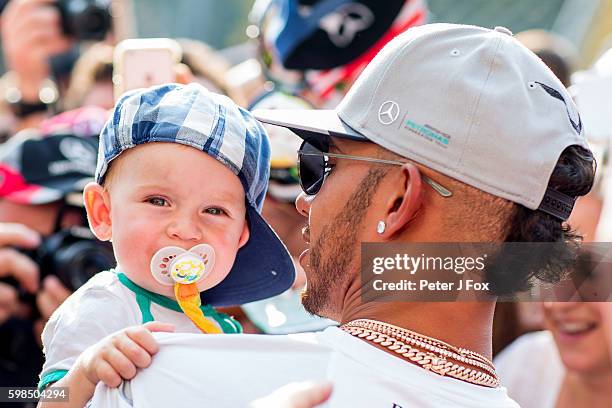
244 237
97 204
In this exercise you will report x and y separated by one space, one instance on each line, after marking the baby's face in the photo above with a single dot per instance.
167 194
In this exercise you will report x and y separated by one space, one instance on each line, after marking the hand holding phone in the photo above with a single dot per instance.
144 62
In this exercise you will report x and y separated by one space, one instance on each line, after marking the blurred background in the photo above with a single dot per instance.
585 23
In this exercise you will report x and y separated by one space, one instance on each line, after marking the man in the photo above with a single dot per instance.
452 134
312 51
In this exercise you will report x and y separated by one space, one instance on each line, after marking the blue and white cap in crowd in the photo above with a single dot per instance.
193 116
325 34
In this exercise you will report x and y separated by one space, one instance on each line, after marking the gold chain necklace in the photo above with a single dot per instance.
429 353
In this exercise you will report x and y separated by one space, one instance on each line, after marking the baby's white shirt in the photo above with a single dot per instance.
108 302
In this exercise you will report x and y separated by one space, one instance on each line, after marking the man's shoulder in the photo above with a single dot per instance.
531 363
537 340
538 345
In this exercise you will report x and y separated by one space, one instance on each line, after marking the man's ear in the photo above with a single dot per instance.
97 204
405 204
244 237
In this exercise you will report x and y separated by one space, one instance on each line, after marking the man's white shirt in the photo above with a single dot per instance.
232 370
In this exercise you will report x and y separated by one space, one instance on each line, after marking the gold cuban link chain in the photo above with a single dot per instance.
435 357
423 341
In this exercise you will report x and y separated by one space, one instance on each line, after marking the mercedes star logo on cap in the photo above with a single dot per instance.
388 112
344 24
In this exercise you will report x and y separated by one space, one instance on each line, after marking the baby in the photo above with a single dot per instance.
181 177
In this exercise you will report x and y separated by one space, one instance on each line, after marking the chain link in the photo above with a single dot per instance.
431 354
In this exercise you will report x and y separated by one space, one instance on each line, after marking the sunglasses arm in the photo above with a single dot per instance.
443 191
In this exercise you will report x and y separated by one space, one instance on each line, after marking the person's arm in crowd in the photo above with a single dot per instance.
31 34
111 360
296 395
16 265
49 295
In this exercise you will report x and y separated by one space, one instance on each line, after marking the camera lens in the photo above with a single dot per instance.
95 23
76 263
85 19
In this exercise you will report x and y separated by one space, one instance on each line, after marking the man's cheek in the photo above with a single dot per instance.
320 215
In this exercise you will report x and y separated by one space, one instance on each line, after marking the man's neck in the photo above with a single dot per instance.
460 324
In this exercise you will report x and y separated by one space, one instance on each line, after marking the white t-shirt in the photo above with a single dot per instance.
532 371
108 302
230 371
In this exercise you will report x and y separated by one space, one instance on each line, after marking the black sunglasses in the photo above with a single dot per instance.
313 165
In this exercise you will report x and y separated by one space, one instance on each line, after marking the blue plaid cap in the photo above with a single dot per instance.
193 116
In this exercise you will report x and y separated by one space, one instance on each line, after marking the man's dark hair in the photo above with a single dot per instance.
573 175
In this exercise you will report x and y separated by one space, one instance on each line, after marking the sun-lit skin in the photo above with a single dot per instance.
579 333
167 194
41 218
337 245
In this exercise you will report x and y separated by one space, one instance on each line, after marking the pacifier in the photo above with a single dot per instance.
171 265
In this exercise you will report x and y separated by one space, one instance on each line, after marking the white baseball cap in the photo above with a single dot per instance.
466 101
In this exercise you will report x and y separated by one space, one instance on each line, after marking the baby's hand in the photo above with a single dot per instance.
121 354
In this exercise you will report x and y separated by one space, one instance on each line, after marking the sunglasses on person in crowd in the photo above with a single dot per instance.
314 166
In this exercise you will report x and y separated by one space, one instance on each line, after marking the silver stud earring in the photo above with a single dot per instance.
380 228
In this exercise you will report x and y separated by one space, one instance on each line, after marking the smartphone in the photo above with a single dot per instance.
144 62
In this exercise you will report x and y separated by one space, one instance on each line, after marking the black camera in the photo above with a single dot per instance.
85 19
73 255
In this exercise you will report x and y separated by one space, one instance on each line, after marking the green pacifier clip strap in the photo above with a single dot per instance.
145 297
